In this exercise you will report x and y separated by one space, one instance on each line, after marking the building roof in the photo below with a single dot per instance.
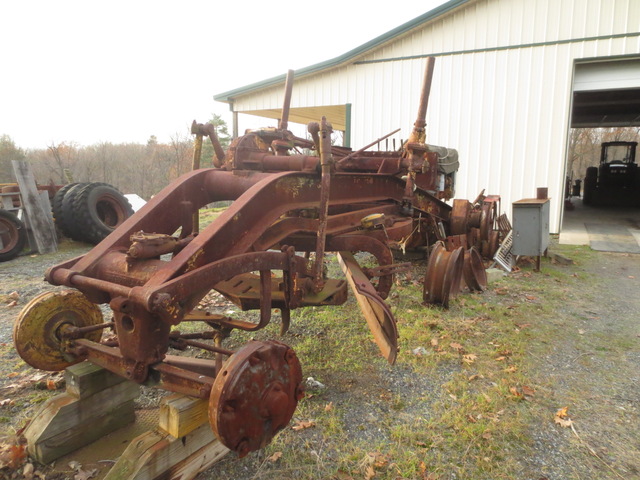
346 57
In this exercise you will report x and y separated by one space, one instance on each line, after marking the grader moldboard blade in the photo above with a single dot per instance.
377 313
265 251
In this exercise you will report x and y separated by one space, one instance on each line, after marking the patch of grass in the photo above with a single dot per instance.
208 215
459 401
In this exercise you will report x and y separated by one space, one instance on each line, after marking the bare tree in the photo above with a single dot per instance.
8 151
63 156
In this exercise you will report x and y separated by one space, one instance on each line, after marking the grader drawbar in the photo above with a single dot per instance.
265 251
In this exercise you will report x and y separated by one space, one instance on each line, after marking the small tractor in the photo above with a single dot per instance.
265 252
616 182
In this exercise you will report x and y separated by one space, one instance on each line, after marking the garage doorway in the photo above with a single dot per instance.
602 191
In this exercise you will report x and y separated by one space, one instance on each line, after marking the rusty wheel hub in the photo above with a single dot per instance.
255 395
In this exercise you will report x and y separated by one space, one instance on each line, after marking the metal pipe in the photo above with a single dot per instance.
197 154
357 152
288 87
417 135
326 159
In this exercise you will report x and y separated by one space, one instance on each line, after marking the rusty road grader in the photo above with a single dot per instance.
266 251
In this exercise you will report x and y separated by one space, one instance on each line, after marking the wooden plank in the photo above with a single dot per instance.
180 414
76 436
156 454
66 412
198 462
41 221
85 379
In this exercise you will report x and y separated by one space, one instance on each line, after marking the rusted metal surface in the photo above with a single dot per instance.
255 395
460 217
376 312
474 273
267 251
443 276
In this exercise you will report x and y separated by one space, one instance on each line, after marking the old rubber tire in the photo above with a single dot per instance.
98 209
68 224
56 206
12 234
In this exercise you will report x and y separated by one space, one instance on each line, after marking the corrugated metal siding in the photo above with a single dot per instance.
506 109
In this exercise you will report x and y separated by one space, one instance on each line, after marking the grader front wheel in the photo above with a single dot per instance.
254 395
37 332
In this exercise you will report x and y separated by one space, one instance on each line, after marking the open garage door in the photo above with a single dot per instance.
606 94
603 178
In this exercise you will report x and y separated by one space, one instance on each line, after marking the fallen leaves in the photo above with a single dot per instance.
373 461
275 457
469 358
522 393
12 456
562 417
515 392
303 425
80 473
11 300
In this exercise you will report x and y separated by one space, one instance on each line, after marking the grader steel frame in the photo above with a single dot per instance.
289 209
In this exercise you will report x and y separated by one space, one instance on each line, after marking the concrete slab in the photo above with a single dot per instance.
614 229
612 238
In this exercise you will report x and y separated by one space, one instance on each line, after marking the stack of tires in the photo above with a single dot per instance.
88 212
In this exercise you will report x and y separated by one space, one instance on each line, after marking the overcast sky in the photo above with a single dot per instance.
121 71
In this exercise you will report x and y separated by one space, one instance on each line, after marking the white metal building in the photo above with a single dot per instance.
511 78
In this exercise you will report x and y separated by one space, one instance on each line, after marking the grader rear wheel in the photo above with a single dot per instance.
37 332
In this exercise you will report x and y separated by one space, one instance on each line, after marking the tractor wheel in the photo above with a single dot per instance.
98 208
13 235
68 224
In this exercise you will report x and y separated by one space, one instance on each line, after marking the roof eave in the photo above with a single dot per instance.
228 96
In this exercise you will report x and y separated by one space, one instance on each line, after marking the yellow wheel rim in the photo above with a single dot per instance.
36 332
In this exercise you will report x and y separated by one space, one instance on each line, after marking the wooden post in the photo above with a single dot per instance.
180 414
39 218
183 445
96 402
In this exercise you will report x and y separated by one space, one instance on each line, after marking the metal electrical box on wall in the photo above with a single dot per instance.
530 226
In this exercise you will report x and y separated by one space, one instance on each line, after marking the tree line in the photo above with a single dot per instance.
584 147
131 167
146 169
